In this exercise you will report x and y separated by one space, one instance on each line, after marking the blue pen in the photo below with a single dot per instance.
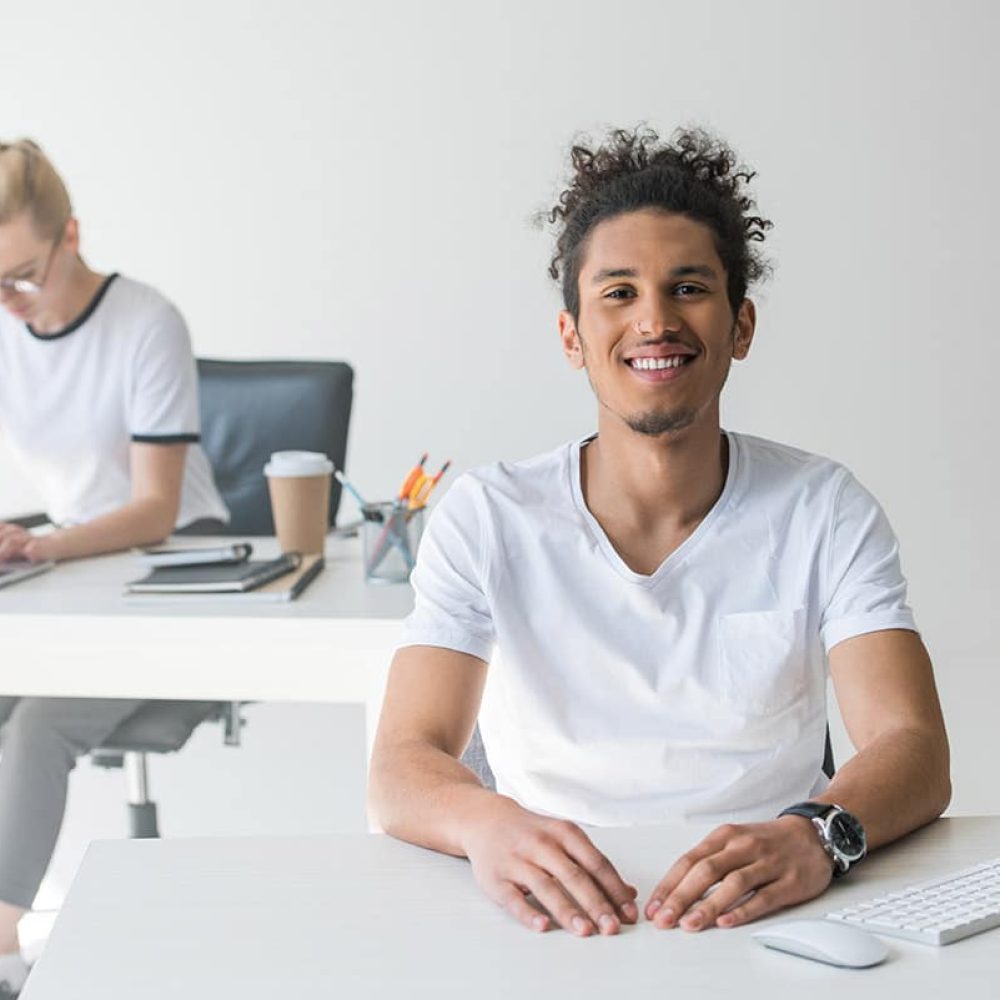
342 479
396 538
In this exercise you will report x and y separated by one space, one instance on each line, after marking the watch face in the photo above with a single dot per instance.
847 836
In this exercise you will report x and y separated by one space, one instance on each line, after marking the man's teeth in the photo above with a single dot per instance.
654 363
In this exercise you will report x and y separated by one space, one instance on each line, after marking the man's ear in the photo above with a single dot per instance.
571 344
743 330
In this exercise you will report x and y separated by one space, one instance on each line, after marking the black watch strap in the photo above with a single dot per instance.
811 810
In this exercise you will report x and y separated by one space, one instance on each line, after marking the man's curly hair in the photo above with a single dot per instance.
695 174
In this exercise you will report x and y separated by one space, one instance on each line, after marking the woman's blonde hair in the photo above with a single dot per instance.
29 181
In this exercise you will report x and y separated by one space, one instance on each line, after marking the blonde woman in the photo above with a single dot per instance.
99 406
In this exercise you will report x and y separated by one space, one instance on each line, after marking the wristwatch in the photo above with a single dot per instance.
840 832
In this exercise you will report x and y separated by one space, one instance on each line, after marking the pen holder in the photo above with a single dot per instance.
390 536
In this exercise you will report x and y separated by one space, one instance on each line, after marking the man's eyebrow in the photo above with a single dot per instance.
684 271
615 272
696 270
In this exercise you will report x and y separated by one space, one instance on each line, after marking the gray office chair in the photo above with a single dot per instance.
248 410
475 760
252 408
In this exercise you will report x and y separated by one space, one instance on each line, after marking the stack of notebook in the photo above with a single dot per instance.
228 570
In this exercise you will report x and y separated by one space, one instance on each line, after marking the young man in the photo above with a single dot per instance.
667 599
99 404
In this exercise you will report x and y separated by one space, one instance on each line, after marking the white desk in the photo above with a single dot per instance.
71 632
368 916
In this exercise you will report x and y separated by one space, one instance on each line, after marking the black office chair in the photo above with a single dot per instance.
475 760
249 409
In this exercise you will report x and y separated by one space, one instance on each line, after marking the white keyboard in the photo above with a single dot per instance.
941 911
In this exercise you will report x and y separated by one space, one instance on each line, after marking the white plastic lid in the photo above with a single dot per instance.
298 463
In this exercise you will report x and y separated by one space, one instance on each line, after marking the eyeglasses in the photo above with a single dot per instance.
25 286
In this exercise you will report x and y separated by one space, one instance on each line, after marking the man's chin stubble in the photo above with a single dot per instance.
654 424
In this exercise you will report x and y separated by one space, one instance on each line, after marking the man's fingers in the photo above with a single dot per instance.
666 886
621 896
678 871
765 900
667 907
581 886
550 892
737 887
514 902
555 871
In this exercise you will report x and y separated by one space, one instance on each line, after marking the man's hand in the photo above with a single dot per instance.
780 863
515 853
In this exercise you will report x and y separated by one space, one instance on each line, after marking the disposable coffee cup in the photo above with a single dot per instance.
299 484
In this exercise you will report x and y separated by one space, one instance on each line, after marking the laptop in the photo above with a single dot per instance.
20 569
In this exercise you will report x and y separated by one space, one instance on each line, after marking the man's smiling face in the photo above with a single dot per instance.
655 331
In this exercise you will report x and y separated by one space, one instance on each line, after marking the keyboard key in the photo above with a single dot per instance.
937 912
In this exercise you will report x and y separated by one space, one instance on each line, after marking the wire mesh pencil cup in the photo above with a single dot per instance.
390 537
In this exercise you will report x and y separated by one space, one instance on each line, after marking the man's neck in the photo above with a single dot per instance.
76 295
665 483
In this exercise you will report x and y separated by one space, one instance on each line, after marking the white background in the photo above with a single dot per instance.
357 181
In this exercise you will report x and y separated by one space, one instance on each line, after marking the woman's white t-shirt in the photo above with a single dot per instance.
694 693
72 403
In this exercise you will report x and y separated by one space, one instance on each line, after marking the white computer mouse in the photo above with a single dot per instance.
825 941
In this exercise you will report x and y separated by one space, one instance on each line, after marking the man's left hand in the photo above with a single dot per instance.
774 864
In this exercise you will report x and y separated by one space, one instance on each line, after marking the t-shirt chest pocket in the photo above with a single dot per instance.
762 659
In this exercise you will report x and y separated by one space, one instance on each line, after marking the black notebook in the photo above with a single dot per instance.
215 578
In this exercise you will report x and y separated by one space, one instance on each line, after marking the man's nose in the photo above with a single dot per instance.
660 316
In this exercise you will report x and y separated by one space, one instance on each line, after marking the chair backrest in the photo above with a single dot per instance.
252 408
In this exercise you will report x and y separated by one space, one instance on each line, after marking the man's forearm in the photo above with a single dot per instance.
898 782
422 794
140 522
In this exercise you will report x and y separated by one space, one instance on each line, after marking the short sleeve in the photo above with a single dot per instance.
865 587
450 607
163 403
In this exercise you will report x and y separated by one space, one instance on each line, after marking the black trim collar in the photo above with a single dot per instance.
81 319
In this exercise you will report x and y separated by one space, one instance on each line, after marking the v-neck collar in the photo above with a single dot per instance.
682 550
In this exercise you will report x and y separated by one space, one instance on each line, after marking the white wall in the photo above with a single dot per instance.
356 181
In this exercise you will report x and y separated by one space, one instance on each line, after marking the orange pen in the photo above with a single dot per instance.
421 489
411 480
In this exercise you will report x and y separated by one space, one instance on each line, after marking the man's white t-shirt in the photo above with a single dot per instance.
694 693
72 402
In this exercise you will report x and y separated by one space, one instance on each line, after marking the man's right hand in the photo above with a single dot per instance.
540 870
517 855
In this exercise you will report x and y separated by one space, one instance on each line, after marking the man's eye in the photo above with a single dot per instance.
619 293
687 290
